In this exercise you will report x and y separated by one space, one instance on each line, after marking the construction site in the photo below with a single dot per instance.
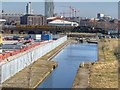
58 50
19 55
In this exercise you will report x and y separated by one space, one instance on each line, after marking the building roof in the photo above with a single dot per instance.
2 20
54 18
31 15
51 18
61 22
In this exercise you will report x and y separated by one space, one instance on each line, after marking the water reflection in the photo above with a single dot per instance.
69 60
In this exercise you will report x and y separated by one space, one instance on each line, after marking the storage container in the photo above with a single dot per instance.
46 37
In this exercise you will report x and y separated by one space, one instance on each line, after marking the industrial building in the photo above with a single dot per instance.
11 14
12 20
104 17
30 19
49 8
49 19
2 21
59 22
100 16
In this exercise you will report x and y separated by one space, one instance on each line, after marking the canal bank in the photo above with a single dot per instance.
104 72
69 60
34 74
30 76
82 76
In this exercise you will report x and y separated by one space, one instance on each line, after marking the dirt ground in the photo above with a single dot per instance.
104 73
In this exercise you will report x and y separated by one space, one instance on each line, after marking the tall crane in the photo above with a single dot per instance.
76 11
72 12
64 14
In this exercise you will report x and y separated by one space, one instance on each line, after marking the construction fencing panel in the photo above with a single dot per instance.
14 66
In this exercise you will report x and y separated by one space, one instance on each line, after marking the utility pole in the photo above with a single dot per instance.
70 11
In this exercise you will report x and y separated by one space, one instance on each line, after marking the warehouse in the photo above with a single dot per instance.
62 23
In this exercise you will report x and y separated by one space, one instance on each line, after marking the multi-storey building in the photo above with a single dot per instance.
29 9
29 19
49 8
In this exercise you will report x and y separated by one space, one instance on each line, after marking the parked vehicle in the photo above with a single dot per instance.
8 38
28 41
16 37
26 37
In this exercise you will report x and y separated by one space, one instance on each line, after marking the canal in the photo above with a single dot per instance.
69 60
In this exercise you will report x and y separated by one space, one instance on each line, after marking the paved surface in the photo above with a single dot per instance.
82 82
10 41
31 76
82 77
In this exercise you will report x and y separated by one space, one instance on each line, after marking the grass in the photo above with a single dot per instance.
104 74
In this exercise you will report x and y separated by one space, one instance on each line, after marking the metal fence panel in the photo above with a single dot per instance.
14 66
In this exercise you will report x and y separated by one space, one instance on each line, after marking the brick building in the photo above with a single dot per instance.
29 19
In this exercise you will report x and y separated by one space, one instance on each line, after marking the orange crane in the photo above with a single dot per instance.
74 11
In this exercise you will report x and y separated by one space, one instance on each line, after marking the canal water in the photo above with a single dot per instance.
69 60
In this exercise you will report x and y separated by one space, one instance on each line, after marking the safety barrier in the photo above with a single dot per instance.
10 68
6 55
1 56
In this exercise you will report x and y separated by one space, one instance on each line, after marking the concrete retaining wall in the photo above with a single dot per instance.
12 67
